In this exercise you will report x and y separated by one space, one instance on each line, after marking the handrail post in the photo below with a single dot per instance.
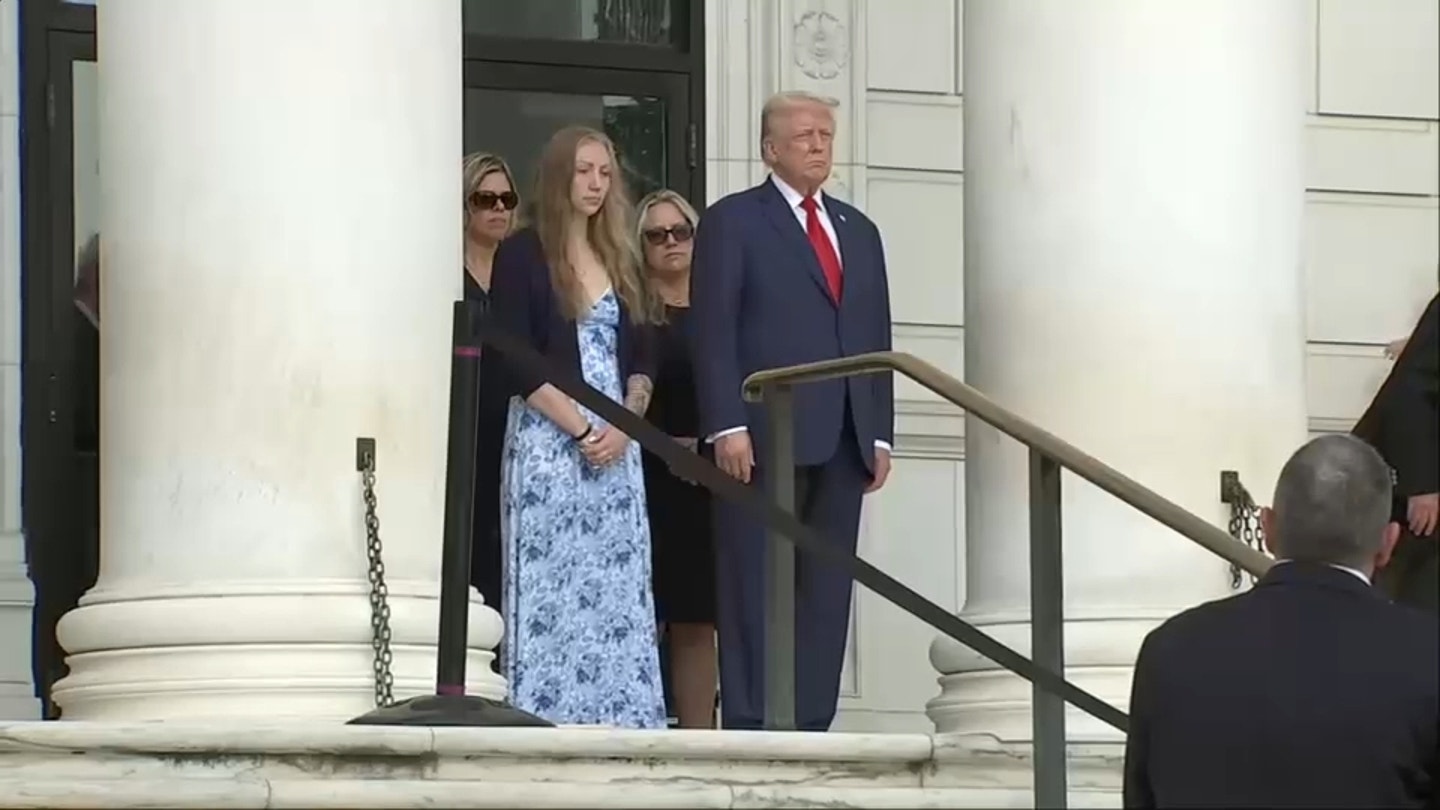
1047 630
779 471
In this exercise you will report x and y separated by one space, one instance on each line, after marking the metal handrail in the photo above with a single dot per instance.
786 531
1049 454
1137 495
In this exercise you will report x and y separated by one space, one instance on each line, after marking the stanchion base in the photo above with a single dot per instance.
450 710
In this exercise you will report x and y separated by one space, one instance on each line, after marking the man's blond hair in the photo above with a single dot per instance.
784 101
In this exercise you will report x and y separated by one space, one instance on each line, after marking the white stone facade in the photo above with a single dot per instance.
1372 223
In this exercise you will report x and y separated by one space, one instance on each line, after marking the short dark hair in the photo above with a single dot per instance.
1332 502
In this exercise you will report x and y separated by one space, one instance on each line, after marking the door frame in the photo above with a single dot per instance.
682 61
682 157
54 35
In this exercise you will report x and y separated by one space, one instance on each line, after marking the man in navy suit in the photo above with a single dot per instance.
786 274
1312 689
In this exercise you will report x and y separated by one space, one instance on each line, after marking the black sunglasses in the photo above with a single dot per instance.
486 200
657 236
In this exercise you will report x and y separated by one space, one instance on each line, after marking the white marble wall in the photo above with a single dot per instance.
1372 242
16 696
1374 213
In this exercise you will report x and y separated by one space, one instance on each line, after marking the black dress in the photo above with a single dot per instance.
1402 423
680 531
485 554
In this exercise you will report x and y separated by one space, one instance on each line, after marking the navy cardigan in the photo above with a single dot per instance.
524 304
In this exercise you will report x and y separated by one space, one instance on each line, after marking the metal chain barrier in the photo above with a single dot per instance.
1244 521
379 593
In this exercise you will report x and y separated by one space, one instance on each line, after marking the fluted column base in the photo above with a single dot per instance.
284 650
978 697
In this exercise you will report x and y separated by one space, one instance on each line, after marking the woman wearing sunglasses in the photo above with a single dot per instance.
490 203
680 535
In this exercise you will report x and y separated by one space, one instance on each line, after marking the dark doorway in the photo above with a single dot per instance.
632 68
511 110
60 339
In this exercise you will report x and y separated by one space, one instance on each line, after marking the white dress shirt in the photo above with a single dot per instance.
794 199
1354 572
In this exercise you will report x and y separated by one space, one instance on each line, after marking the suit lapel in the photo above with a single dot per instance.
784 220
845 233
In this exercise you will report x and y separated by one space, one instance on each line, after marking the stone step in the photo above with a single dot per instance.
229 765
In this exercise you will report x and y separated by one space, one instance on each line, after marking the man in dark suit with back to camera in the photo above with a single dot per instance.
787 274
1312 689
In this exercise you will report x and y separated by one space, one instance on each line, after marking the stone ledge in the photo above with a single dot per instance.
171 765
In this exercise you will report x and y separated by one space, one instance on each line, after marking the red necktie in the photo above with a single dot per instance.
824 250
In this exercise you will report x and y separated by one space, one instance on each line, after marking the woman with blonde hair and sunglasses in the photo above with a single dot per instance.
579 614
489 203
680 531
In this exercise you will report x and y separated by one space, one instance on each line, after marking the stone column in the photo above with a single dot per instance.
1133 197
280 211
17 598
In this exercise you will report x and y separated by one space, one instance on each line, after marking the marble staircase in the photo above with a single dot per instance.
226 766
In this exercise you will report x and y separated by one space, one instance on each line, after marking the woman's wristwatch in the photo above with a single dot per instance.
585 434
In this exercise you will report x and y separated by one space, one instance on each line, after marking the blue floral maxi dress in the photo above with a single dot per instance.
579 612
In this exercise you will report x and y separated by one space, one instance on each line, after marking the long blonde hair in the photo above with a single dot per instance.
476 167
609 230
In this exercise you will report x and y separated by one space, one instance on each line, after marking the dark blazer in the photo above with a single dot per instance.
1403 421
1311 690
759 300
523 302
494 400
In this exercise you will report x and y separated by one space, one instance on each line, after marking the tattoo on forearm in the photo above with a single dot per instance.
637 394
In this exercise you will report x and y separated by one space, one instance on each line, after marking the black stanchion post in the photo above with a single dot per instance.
450 706
459 504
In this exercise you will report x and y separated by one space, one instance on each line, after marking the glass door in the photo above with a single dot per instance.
62 357
513 109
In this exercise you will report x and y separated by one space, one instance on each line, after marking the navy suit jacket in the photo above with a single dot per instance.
1311 690
524 304
758 299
